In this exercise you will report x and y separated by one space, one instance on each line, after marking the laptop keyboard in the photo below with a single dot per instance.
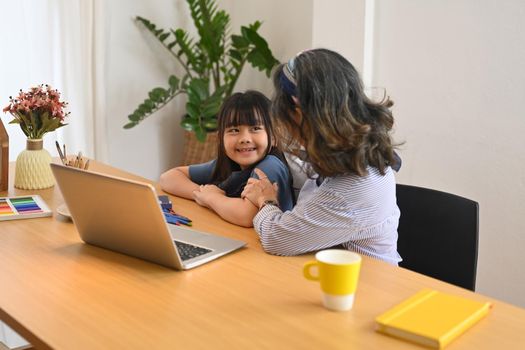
189 251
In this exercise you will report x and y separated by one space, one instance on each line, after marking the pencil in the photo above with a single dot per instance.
60 154
76 164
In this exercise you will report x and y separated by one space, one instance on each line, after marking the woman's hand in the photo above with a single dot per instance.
205 193
259 190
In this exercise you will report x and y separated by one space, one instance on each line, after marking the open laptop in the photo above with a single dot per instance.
125 216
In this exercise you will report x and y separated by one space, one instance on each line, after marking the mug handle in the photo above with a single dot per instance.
307 270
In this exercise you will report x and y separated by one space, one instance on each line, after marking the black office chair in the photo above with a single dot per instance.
438 234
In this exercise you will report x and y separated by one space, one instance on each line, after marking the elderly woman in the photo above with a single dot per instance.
320 106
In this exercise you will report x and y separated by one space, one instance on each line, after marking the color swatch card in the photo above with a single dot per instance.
23 207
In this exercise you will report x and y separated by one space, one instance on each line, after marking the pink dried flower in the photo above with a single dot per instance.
37 111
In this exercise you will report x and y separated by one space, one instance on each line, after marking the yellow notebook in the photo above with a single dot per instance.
431 318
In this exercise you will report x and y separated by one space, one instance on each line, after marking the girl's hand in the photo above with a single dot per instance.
259 190
205 193
211 189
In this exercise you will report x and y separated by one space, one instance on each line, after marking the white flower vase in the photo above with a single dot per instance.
32 167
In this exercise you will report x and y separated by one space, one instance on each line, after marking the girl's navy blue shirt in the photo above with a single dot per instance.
272 166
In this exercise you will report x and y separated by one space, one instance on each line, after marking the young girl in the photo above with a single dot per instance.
245 143
320 104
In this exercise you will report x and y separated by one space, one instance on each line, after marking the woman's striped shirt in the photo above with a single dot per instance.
357 213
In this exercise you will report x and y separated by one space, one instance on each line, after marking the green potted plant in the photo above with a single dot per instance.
212 65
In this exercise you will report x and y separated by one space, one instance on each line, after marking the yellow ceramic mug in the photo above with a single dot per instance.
338 273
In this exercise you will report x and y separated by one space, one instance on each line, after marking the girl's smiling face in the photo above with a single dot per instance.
245 144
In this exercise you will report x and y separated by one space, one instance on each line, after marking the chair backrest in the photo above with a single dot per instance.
438 234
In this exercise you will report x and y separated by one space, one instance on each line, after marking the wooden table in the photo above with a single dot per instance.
60 293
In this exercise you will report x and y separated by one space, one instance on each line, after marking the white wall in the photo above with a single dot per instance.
287 26
340 25
135 64
455 71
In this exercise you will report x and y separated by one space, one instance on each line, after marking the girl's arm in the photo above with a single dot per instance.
177 182
238 211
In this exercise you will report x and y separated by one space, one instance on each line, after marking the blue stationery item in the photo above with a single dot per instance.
179 218
176 220
171 220
165 202
171 212
170 215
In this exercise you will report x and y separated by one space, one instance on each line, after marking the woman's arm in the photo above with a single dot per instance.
359 213
177 182
238 211
321 221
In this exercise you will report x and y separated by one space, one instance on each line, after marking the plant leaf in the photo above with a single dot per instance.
239 41
158 94
163 36
236 55
255 25
200 88
260 55
174 82
189 123
188 50
211 25
192 109
160 34
157 98
200 133
135 117
211 125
